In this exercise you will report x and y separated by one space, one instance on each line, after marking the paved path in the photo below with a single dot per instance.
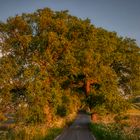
78 130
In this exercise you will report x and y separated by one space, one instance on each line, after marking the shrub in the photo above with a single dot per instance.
62 111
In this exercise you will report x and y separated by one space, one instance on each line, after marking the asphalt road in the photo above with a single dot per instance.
78 130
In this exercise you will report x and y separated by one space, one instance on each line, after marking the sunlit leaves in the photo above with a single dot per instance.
53 54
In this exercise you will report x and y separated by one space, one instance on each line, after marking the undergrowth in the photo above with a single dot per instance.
51 134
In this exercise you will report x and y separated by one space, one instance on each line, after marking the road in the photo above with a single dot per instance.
78 130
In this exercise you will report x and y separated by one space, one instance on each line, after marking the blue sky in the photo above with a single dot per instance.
122 16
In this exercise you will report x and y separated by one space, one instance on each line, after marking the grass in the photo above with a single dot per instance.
118 127
51 134
111 132
104 132
35 132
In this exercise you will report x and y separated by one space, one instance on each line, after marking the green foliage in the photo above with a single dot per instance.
61 111
95 99
111 132
22 134
36 115
117 104
103 132
48 56
102 103
53 133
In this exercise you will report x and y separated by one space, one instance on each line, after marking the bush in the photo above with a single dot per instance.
62 111
117 104
103 103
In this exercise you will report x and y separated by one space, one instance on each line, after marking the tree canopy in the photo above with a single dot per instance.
49 56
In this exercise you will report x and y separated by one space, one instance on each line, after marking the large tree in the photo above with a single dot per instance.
48 55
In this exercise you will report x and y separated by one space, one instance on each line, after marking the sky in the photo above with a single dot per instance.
121 16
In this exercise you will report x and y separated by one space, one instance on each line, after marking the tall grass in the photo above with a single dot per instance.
36 132
50 134
53 133
111 132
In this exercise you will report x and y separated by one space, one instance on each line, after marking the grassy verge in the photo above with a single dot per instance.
103 132
111 132
51 134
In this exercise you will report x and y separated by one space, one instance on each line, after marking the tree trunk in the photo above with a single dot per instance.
87 86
